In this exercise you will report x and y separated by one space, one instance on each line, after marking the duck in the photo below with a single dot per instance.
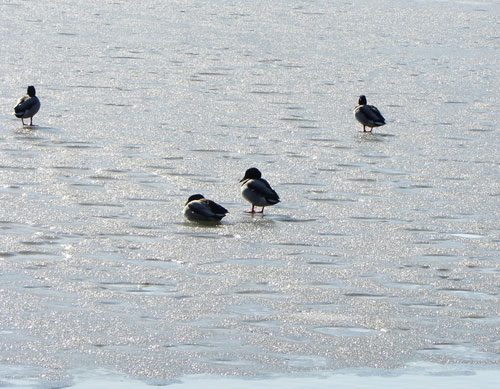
257 190
368 115
200 209
27 106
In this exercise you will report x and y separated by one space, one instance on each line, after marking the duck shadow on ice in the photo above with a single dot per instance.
35 129
374 137
271 219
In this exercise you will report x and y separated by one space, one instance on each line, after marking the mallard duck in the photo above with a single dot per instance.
27 106
368 115
200 209
257 191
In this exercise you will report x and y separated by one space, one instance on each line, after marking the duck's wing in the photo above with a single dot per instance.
214 207
198 208
375 114
26 103
262 186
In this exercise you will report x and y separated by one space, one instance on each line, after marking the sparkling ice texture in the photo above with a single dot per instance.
383 252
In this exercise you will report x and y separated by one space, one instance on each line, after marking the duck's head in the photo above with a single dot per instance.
31 91
362 100
194 198
252 173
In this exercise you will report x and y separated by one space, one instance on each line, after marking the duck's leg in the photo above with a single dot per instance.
252 210
31 121
261 211
22 121
364 128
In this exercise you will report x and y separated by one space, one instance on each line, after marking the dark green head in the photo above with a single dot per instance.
252 173
31 91
194 197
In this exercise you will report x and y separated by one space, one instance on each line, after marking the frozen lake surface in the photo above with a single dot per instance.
382 260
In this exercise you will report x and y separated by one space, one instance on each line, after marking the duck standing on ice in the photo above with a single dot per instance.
27 106
257 191
368 115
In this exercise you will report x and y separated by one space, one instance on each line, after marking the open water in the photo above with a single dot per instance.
383 258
